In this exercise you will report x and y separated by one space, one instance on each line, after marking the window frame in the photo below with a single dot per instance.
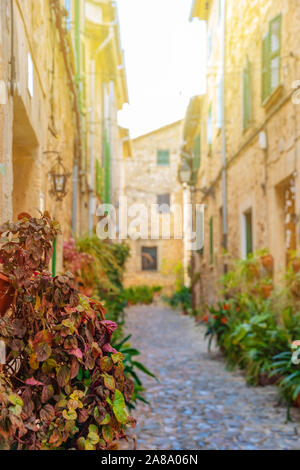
268 56
209 129
30 75
246 240
159 155
155 269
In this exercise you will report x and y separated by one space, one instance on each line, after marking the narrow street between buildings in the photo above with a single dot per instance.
197 404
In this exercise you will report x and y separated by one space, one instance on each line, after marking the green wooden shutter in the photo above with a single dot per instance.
209 129
249 237
163 157
246 96
54 258
265 68
211 240
275 51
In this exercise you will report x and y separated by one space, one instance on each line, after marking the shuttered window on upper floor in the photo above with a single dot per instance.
163 157
247 95
271 51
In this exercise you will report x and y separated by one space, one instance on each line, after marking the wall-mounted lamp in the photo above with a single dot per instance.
59 176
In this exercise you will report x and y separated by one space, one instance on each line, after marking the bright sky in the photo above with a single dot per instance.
165 61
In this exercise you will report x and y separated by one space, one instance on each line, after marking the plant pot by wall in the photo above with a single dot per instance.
267 290
6 294
268 262
296 265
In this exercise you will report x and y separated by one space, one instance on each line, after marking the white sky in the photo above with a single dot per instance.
165 61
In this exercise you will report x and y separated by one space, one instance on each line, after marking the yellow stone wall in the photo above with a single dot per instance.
256 177
144 180
32 125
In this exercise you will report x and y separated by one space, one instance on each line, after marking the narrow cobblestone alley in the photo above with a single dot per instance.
197 404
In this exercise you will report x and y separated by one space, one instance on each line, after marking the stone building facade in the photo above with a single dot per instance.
151 181
62 82
256 128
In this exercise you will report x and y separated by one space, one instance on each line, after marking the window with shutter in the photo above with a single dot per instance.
210 42
219 103
149 258
271 50
246 96
200 231
99 179
247 234
211 240
163 157
69 17
275 46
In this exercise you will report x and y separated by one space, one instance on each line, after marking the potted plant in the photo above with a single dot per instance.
267 261
267 288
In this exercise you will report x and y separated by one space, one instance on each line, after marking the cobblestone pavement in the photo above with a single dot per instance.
197 404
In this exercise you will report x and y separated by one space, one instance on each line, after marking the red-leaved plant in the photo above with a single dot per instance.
62 386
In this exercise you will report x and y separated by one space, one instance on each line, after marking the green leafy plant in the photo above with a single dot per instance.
141 294
63 384
103 276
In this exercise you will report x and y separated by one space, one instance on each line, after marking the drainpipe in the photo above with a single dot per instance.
92 126
223 135
123 140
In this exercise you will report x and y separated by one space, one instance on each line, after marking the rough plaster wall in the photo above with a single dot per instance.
144 181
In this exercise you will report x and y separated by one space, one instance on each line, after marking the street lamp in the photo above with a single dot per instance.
185 172
59 176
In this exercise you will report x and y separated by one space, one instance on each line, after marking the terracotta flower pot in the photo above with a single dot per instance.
295 289
267 290
297 401
6 294
268 262
296 265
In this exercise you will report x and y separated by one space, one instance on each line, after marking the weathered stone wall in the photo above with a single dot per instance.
34 123
144 181
256 178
